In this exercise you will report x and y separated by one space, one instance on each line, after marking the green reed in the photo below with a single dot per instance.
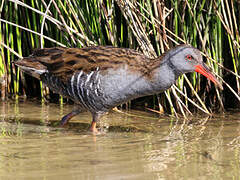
149 26
2 67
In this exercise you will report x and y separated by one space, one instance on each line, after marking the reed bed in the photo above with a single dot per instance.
151 27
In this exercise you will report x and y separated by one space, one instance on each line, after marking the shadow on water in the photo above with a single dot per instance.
133 145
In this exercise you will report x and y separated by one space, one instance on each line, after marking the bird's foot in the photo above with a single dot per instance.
93 129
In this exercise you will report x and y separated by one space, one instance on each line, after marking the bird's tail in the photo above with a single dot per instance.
30 66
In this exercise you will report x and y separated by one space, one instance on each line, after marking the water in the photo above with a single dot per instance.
137 145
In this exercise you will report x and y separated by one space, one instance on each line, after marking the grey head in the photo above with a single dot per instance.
185 58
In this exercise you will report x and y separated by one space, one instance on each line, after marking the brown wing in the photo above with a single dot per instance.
63 62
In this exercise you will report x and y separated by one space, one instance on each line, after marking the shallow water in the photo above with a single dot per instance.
134 145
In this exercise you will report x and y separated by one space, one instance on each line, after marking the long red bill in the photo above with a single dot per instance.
203 69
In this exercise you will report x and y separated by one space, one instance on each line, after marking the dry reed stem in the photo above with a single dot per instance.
55 21
43 22
34 32
136 26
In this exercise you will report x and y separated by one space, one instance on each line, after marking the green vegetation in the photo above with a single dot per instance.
148 26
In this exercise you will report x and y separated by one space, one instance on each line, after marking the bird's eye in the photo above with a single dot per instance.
189 57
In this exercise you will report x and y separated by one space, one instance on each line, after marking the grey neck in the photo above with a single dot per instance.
164 76
176 71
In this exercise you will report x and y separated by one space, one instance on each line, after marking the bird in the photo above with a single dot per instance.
100 78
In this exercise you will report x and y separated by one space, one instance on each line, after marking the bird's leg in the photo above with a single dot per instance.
69 116
96 118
